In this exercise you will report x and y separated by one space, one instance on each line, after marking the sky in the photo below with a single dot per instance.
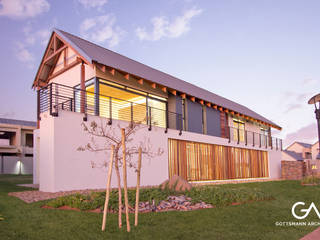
262 54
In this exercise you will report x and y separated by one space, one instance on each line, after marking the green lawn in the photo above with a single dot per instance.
254 220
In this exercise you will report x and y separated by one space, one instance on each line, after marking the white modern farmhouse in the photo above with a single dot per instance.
204 137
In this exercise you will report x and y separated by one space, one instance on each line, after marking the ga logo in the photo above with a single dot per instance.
306 211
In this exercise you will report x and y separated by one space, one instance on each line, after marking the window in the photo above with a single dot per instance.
7 138
29 140
238 130
264 136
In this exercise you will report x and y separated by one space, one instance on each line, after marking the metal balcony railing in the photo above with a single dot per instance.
55 97
253 139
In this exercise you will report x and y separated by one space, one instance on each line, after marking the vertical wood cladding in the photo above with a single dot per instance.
200 161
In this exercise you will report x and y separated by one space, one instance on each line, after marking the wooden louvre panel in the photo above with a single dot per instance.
202 162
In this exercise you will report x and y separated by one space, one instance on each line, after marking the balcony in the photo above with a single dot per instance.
55 97
254 139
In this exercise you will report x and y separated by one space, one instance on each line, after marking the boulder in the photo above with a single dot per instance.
176 183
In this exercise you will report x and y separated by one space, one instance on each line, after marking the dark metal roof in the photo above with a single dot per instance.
306 145
296 156
93 52
18 122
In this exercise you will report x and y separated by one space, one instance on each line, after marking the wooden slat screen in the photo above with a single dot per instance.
200 161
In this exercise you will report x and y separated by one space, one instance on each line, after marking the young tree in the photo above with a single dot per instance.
111 134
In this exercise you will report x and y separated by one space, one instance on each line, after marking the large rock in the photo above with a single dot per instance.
176 183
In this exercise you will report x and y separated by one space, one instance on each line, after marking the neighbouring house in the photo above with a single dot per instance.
299 160
315 150
204 137
16 146
297 151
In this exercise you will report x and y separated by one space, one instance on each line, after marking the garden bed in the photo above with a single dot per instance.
158 200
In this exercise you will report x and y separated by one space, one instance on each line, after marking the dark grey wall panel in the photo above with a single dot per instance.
194 117
175 106
213 122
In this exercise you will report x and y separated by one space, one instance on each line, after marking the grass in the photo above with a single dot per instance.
254 220
217 196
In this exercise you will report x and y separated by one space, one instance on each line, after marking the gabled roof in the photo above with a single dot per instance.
94 53
18 122
294 155
306 145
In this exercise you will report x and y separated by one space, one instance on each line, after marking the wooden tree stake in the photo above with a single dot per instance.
124 168
107 190
119 192
138 189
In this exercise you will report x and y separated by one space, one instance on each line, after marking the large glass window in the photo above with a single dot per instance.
238 130
124 103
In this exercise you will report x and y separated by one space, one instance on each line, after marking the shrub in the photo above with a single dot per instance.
215 195
310 180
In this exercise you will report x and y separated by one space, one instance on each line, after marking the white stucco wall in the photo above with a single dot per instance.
72 76
62 167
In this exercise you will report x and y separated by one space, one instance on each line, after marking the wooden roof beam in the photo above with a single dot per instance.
193 99
183 95
174 92
126 76
164 89
201 102
153 85
208 104
140 81
55 54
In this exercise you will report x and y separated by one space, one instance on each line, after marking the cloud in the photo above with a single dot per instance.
93 3
292 106
40 36
102 29
162 27
24 55
19 9
305 134
31 38
309 81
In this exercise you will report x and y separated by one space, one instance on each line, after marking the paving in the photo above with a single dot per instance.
315 235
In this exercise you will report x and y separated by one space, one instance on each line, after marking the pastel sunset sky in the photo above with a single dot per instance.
262 54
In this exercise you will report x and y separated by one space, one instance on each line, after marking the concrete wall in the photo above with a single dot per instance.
16 165
62 167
